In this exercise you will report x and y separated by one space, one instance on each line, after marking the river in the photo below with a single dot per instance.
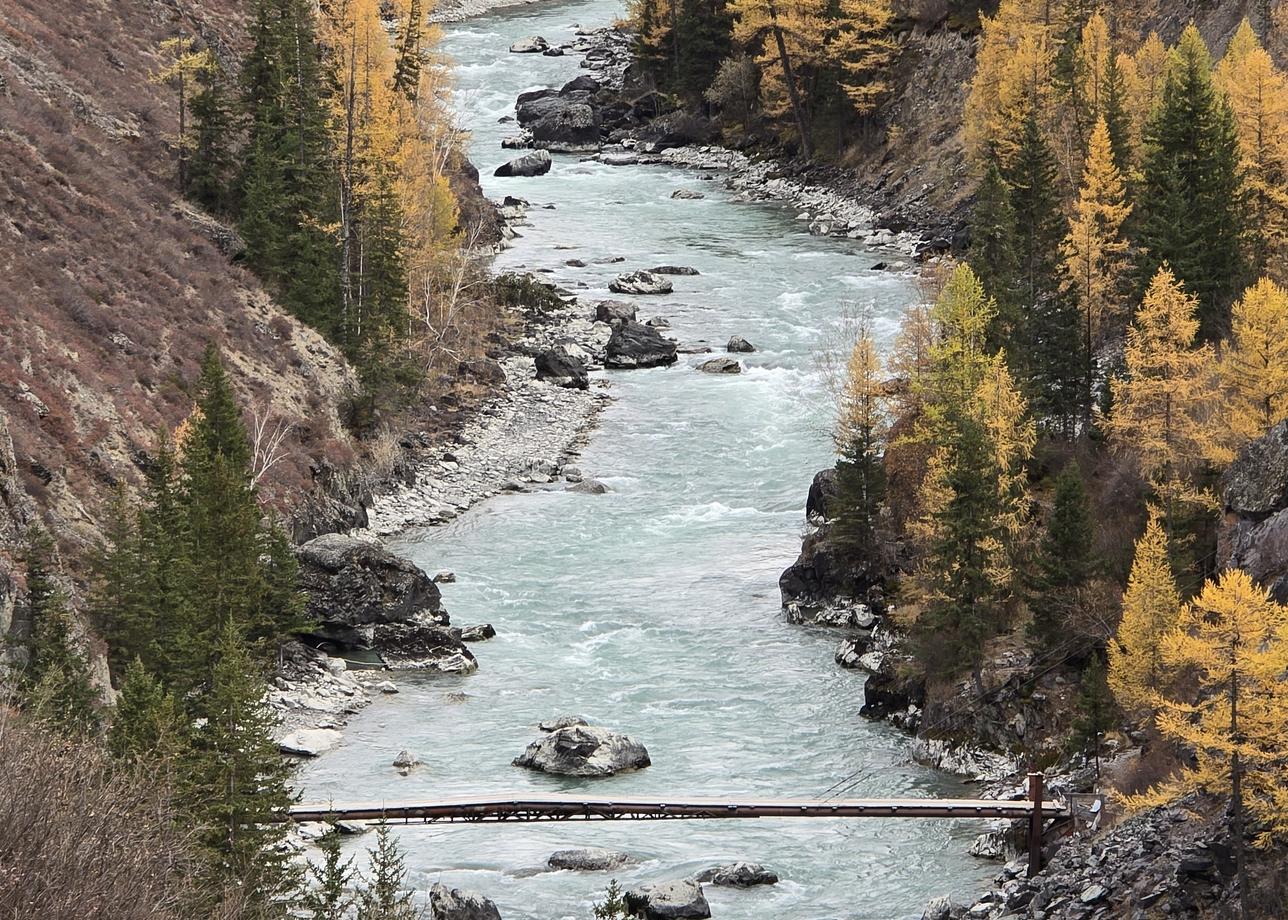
654 609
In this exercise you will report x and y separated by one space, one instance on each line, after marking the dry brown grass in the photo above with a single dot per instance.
81 841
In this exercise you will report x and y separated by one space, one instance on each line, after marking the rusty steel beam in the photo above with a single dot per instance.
555 807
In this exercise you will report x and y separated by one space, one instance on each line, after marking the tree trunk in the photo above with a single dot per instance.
789 77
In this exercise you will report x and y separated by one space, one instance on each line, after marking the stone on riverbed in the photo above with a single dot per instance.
674 270
589 487
557 366
309 742
739 875
686 193
536 163
614 311
676 900
634 345
584 750
640 283
422 645
589 859
406 760
739 345
455 904
480 633
720 366
531 45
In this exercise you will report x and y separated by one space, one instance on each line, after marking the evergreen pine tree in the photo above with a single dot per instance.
55 678
1095 710
860 476
328 896
614 906
147 726
993 249
210 161
1113 95
384 895
235 783
1065 561
168 647
1035 199
1192 197
120 600
408 63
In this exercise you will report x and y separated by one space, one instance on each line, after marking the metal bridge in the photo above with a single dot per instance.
575 807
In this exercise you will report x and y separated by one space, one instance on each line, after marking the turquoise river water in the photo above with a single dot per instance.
654 609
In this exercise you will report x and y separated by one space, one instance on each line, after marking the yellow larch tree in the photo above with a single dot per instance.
860 438
1091 60
1233 639
1138 671
1258 94
959 357
783 30
862 46
1004 413
1014 67
1095 253
1254 363
1144 76
1162 404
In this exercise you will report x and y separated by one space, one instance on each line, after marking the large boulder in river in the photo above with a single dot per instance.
557 366
584 750
536 163
572 127
640 283
739 345
582 84
1254 495
635 345
532 45
353 585
422 645
588 859
669 901
675 129
720 366
739 875
456 904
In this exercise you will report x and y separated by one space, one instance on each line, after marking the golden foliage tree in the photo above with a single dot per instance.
1162 405
184 64
1234 639
1258 94
863 48
1151 606
1095 253
1144 76
1013 77
1254 364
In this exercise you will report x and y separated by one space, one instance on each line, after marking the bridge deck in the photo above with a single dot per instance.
568 807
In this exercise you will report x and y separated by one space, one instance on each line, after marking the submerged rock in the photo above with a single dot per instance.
589 487
480 633
584 750
455 904
406 760
640 283
674 270
739 345
536 163
739 875
588 859
669 901
684 193
633 345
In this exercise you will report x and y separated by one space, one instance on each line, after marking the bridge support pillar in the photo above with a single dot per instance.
1035 824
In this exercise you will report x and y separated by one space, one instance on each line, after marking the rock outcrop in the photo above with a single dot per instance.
720 366
584 750
676 900
635 345
420 644
456 904
1254 494
614 311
